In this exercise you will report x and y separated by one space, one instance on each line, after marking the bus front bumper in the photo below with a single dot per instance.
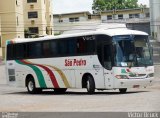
133 83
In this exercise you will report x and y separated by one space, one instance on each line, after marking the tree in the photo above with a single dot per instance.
103 5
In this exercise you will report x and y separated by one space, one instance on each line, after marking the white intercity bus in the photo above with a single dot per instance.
104 59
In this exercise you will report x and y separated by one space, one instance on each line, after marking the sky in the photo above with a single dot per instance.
68 6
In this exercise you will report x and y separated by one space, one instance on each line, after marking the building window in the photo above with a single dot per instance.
33 14
109 17
60 21
33 30
16 2
147 15
137 16
131 15
89 16
31 1
47 31
74 19
51 31
134 16
17 21
50 16
120 16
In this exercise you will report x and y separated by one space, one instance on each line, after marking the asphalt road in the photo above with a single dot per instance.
76 100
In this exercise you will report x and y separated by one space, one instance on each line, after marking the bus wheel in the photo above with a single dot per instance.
123 90
90 85
32 88
60 90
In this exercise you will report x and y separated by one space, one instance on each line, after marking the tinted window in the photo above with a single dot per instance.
20 51
34 50
10 52
63 47
67 47
53 48
72 46
46 49
86 45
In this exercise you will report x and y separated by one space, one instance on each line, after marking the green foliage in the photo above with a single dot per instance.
103 5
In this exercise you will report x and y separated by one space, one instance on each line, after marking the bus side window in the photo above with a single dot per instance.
80 45
54 48
46 49
90 46
86 45
20 51
62 47
34 50
10 54
72 47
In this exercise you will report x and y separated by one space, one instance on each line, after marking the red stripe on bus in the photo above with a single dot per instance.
50 73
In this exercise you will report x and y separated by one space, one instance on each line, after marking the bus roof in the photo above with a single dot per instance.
110 32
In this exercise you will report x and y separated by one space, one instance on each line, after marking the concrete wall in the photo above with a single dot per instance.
65 25
145 27
155 19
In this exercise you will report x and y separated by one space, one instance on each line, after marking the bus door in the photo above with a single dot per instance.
107 64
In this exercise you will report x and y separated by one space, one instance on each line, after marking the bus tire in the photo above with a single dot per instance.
123 90
90 85
60 90
32 88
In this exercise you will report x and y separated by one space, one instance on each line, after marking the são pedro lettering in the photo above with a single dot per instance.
75 62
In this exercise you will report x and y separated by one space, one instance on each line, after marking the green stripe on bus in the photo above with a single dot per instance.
38 73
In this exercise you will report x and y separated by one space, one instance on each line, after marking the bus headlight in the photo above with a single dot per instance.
122 77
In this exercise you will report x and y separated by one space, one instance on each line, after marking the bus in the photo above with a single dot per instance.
106 59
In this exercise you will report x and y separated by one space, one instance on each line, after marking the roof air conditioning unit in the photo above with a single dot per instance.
31 6
32 22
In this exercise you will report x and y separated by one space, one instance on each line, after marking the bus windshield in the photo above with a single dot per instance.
132 51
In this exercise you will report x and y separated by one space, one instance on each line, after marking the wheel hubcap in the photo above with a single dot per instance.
30 86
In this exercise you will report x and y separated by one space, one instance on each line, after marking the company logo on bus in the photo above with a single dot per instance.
75 62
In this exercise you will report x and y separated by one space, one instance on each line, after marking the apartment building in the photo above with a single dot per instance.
38 17
126 15
71 17
66 21
137 19
155 19
12 22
